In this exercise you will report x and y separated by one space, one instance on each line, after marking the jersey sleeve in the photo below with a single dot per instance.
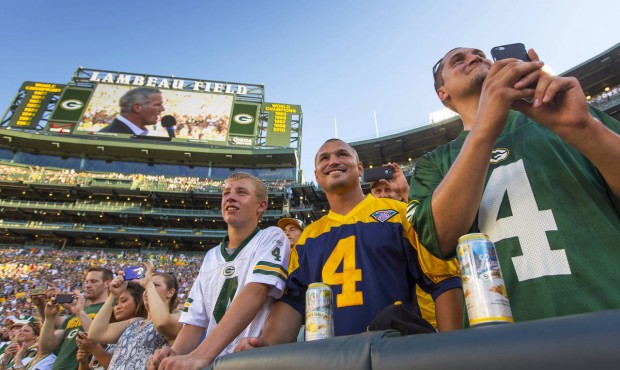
195 309
435 275
296 286
614 126
426 177
270 262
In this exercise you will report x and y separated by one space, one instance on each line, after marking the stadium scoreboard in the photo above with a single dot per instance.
212 112
36 96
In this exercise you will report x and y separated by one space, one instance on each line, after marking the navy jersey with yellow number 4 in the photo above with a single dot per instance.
370 259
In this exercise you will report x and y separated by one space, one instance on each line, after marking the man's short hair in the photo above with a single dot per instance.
139 95
105 273
259 187
357 157
438 68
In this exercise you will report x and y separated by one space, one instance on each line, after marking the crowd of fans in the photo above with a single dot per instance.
23 269
601 100
147 182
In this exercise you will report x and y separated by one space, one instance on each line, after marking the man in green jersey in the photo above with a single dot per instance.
541 179
63 339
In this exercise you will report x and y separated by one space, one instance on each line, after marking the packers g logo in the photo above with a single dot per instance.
499 154
243 118
71 104
228 271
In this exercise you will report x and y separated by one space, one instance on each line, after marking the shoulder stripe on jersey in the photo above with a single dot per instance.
187 303
271 264
271 267
275 270
273 273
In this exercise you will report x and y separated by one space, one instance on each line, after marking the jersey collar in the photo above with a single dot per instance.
224 243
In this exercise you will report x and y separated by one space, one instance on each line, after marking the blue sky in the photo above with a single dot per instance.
340 59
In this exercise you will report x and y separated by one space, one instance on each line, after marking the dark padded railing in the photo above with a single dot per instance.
584 342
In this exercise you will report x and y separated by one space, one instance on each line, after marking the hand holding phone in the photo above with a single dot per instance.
516 51
133 273
377 173
63 298
38 290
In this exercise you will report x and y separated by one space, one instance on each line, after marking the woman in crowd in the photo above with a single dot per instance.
130 304
138 338
24 353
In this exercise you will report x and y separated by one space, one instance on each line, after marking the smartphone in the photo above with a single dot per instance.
133 273
376 173
516 51
63 298
38 290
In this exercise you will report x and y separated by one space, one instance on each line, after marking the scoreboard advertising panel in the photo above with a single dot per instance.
216 113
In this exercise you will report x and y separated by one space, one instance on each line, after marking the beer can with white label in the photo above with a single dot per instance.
485 293
319 312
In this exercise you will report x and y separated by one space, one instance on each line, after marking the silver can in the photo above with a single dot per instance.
485 293
319 312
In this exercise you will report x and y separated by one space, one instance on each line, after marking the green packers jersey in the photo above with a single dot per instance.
553 220
68 350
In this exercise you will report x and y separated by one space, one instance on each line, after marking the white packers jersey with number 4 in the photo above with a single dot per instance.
262 258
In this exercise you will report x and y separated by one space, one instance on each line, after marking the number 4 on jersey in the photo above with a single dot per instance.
344 254
527 222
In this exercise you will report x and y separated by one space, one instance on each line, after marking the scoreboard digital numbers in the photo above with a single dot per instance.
34 103
279 122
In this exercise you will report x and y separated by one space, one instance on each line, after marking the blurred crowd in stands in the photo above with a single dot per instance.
602 100
38 174
23 269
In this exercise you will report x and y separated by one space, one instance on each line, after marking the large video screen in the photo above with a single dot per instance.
199 115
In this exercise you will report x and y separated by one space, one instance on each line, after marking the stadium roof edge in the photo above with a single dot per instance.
406 132
609 52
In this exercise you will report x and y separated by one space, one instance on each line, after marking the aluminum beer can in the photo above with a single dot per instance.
319 312
483 286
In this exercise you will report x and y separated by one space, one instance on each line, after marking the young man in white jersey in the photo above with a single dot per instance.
237 283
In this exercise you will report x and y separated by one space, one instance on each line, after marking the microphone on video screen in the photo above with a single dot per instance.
169 122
